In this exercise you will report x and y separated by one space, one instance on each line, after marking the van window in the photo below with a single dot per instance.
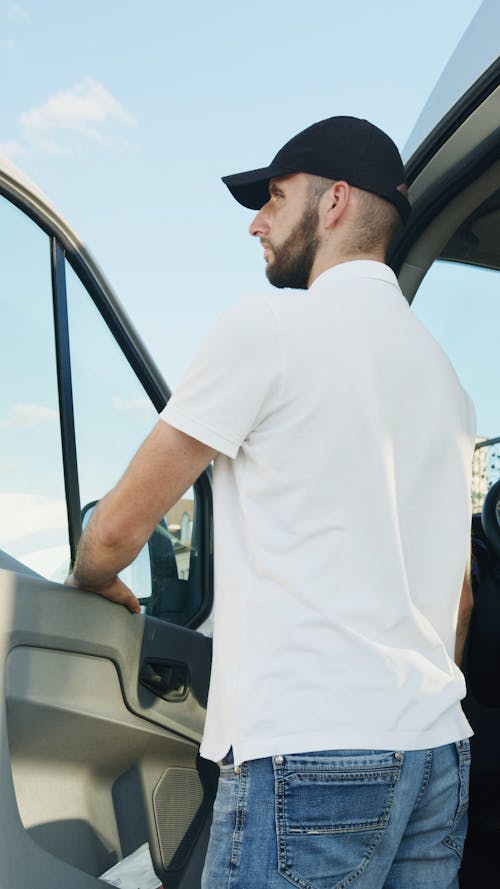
460 305
33 519
113 415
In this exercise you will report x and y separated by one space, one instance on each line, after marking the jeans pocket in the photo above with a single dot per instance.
331 812
456 837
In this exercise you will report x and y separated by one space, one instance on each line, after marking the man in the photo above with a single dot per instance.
342 443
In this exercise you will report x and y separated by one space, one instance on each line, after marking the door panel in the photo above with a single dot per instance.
92 763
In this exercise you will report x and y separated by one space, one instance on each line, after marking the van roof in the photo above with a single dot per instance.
475 53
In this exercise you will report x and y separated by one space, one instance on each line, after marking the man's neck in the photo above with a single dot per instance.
322 264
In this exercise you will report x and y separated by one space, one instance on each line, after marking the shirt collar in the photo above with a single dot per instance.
357 268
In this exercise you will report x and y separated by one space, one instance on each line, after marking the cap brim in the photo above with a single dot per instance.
251 189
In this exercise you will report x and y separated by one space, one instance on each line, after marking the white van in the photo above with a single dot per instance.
101 712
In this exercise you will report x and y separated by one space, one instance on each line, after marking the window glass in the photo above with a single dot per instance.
180 526
33 520
113 415
460 305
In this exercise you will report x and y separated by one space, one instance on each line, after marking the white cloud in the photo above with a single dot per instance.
24 514
13 149
16 13
27 416
86 110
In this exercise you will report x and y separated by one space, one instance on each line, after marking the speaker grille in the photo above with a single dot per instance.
176 800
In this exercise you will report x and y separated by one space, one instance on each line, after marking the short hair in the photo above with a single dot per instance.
377 220
317 185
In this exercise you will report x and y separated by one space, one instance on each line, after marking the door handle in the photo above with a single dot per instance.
169 680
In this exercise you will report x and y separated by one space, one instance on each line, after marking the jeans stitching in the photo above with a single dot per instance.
456 847
239 821
463 750
463 753
425 778
279 797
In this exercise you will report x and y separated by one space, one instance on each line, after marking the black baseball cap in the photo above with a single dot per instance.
346 148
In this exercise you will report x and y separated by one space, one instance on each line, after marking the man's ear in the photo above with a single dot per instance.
338 196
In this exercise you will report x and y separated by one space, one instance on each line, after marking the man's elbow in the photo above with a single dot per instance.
115 532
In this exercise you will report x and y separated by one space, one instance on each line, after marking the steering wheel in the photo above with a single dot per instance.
490 517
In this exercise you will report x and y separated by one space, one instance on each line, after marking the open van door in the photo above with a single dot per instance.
101 711
448 263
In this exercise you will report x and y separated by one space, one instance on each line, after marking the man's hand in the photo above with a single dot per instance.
115 590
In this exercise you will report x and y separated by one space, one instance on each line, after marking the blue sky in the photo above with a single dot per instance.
127 113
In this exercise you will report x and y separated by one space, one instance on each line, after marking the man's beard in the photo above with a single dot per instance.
293 260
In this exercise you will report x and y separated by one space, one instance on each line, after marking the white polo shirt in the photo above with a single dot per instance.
342 519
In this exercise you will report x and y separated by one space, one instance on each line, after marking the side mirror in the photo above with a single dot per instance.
138 575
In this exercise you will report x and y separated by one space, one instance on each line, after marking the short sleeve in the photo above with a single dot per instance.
233 380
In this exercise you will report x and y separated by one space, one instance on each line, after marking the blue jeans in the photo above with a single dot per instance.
369 819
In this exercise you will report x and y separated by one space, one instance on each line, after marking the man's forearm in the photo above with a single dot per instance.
165 465
101 556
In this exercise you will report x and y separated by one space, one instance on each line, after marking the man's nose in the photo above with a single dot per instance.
260 225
